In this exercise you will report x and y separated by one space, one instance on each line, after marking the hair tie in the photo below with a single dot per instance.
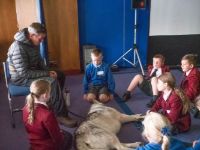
33 94
165 131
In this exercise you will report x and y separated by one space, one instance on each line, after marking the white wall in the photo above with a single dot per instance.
174 17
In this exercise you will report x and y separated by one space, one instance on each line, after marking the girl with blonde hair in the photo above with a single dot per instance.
173 104
40 122
157 132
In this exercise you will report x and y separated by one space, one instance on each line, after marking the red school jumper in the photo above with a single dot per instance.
172 109
44 133
191 84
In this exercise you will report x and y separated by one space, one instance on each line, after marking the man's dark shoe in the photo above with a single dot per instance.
151 103
193 110
126 96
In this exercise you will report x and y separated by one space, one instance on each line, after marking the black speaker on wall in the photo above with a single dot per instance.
139 4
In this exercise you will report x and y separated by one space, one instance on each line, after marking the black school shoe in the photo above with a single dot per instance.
197 114
126 96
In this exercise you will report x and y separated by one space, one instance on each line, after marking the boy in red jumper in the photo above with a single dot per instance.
40 122
191 82
148 84
173 104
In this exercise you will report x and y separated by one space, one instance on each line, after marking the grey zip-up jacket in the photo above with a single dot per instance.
24 59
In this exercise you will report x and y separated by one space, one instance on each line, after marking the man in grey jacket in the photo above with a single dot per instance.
26 65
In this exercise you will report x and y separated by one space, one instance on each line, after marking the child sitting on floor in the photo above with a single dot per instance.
148 84
157 132
98 81
172 103
191 82
40 122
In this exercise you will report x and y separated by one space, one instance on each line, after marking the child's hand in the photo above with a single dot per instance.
148 111
195 142
53 74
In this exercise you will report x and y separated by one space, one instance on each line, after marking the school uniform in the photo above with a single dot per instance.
173 145
98 79
171 106
44 133
191 84
163 68
145 86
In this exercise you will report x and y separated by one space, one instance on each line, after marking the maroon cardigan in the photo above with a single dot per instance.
175 116
164 69
44 133
191 84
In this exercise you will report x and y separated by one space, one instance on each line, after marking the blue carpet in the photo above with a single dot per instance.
12 139
126 110
138 101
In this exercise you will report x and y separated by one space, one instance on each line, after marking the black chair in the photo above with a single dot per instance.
13 91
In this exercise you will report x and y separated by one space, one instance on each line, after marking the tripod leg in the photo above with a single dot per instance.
122 56
138 57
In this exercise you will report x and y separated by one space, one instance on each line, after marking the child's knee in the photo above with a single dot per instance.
138 77
104 98
91 97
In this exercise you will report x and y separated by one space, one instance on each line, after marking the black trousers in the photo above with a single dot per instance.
56 102
61 79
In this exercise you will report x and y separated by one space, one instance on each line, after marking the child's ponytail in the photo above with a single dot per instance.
165 131
184 99
165 143
30 105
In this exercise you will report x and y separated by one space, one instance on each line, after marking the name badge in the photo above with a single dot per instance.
100 73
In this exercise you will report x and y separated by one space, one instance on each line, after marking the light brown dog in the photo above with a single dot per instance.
98 131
